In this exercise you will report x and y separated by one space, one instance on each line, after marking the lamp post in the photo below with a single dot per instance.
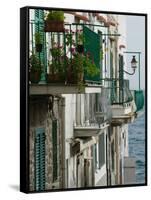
133 66
136 53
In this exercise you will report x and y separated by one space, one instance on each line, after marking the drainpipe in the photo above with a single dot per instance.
63 159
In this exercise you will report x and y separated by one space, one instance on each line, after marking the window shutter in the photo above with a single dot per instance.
55 155
92 45
40 159
39 27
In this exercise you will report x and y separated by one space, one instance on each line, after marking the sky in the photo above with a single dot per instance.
136 42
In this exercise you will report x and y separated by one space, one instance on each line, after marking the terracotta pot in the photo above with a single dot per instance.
35 76
55 78
71 78
54 26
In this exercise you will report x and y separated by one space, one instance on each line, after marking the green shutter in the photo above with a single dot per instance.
39 27
55 155
40 159
139 99
92 42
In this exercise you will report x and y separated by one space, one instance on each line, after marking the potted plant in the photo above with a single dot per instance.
81 65
90 68
54 21
80 41
57 66
35 68
38 42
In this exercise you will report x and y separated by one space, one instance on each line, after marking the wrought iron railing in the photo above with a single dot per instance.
95 110
118 90
68 57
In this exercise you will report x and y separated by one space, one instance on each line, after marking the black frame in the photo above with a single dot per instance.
24 97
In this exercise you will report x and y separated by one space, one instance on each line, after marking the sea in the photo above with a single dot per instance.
137 146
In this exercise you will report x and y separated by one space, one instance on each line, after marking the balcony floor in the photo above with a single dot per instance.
46 89
90 131
123 119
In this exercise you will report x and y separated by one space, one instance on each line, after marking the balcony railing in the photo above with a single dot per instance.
118 90
93 116
70 57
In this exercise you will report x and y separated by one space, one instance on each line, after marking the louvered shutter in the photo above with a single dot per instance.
39 27
40 159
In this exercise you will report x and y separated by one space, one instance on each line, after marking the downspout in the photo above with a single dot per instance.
63 159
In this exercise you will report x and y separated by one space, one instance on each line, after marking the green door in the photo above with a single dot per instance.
92 43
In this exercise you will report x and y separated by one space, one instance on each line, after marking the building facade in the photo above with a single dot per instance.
78 132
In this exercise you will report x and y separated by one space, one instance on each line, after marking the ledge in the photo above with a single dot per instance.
90 131
43 89
123 119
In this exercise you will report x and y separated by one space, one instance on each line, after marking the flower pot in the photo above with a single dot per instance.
54 26
71 78
35 76
39 48
80 48
80 77
55 78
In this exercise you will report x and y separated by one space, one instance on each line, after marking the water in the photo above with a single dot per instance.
137 146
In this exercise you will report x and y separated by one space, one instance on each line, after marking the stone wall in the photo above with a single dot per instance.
40 116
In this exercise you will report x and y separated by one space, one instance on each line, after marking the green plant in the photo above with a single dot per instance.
69 40
80 37
34 63
55 15
38 38
90 67
82 64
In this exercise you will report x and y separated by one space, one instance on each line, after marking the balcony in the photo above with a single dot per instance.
92 118
90 131
46 89
66 61
121 99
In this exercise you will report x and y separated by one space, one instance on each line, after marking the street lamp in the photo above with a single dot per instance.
138 53
133 66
